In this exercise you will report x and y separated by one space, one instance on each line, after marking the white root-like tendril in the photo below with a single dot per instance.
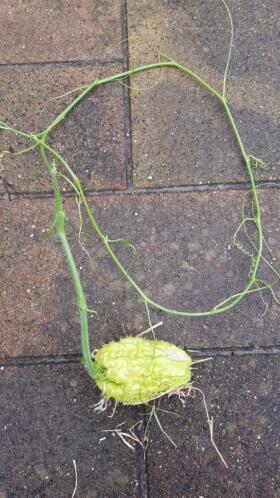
127 436
102 404
182 394
76 479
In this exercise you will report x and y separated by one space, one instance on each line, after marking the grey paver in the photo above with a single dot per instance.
47 420
243 397
39 31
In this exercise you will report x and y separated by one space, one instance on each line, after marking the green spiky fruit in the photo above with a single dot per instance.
136 370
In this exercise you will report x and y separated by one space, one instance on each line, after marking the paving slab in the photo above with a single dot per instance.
47 421
185 259
184 254
41 31
243 397
92 137
180 134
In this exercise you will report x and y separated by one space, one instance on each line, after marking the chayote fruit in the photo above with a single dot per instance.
134 370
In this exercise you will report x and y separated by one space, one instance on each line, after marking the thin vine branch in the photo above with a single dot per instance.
91 367
40 140
230 47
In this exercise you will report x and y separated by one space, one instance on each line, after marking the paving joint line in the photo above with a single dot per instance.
203 352
234 351
217 187
142 473
141 456
89 62
7 193
22 361
127 97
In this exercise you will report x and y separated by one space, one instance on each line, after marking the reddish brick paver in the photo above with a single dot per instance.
59 30
92 139
48 420
185 260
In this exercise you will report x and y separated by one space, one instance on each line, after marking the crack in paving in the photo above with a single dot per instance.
143 191
142 464
127 99
114 60
19 361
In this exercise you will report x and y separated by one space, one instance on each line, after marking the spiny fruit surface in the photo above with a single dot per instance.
136 370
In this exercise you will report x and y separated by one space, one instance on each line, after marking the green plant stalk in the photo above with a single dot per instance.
221 307
91 367
122 75
40 140
230 302
257 215
218 309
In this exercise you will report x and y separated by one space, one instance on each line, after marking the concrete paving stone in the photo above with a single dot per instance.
92 137
48 420
185 259
59 30
243 397
180 133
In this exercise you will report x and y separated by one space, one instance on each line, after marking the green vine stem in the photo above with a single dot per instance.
91 367
40 140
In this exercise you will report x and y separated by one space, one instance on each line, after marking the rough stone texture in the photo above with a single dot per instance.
185 260
59 30
243 397
33 272
185 256
92 137
180 135
48 420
